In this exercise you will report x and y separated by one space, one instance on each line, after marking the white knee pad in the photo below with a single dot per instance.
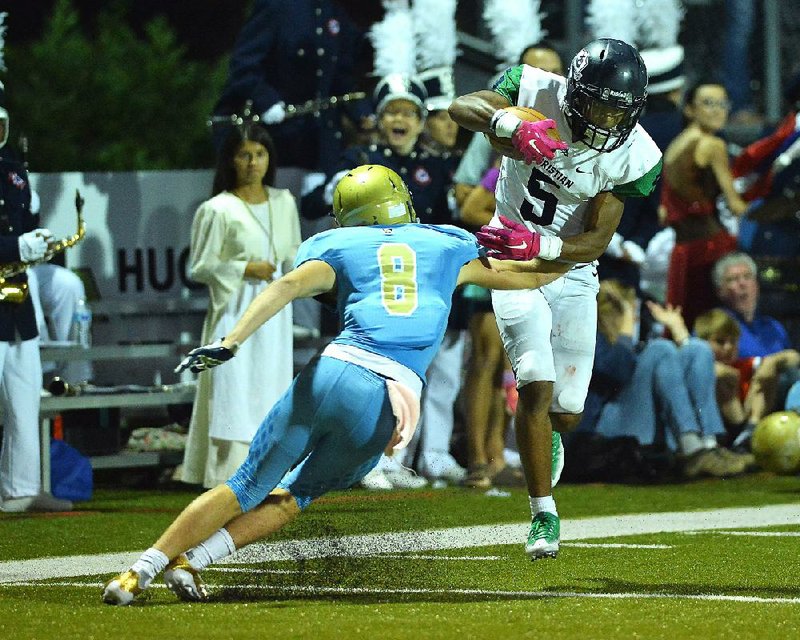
571 400
531 367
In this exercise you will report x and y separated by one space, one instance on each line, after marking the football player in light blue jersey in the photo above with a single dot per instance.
393 282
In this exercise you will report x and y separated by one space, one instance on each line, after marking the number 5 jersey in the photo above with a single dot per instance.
552 198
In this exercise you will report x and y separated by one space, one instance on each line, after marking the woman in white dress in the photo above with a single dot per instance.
243 237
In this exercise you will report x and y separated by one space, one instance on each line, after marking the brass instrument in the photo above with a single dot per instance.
292 110
16 292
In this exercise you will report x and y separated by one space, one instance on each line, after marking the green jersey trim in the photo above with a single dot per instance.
508 84
641 187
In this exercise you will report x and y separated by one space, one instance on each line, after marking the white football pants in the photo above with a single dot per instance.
20 389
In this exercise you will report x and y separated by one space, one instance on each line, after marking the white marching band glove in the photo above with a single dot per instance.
33 244
614 248
331 187
275 114
634 252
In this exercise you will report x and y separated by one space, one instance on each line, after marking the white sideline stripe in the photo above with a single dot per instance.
418 556
719 597
604 527
755 534
615 545
252 570
508 534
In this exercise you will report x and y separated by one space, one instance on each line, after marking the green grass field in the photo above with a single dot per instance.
710 559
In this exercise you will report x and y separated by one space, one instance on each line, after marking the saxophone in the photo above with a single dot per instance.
17 292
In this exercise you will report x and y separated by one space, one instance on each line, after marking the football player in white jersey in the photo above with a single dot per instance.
561 201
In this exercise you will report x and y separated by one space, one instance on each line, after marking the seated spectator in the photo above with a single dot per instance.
661 394
747 387
736 283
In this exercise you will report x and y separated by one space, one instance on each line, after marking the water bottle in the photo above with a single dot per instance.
185 341
81 331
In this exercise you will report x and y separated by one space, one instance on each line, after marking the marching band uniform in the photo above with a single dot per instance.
427 176
292 54
20 365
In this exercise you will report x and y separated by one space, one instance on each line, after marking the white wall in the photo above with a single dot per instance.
137 227
137 238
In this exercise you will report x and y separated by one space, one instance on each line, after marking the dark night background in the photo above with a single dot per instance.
207 29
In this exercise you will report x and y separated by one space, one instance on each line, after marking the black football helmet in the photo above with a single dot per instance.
606 92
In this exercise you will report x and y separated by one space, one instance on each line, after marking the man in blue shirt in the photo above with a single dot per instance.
393 283
736 282
735 278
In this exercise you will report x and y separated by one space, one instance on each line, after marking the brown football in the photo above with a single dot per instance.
503 146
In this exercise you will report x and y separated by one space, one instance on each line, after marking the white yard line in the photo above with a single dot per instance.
420 556
607 527
614 545
754 534
493 593
252 570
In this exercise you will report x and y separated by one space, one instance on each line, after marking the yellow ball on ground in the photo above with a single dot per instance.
776 442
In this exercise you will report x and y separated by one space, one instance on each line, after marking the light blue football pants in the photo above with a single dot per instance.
326 432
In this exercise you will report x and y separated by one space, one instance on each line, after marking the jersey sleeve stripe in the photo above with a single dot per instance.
641 187
508 84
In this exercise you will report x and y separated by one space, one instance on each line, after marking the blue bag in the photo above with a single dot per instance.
70 472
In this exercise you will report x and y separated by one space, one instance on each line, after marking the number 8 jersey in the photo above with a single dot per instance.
394 285
552 198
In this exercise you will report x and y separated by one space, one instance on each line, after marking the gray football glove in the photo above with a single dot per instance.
206 357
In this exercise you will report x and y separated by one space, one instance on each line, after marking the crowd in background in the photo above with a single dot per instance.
662 273
686 362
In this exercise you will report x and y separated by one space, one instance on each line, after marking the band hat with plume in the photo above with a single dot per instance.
612 19
514 25
440 86
653 27
395 58
665 69
659 24
436 49
400 86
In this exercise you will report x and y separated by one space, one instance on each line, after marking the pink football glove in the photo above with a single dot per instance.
532 141
512 241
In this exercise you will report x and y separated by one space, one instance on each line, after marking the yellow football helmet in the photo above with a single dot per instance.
372 194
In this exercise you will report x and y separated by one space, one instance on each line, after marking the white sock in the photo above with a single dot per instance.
691 443
710 442
543 503
219 545
149 565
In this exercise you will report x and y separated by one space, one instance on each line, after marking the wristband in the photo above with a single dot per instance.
503 123
549 247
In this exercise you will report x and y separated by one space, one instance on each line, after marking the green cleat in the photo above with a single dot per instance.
543 538
557 453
